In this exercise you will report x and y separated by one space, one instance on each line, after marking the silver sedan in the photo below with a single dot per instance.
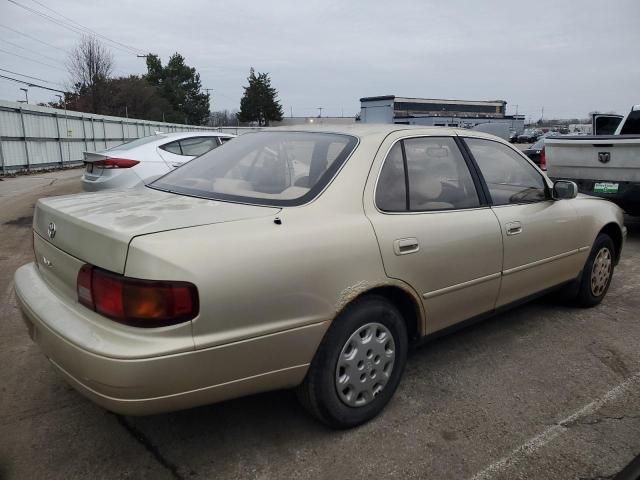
145 159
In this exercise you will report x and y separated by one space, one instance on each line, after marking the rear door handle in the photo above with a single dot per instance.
403 246
513 228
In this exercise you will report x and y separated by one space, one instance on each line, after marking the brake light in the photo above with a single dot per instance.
116 163
132 301
543 160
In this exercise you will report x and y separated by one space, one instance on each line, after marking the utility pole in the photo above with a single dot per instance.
320 110
542 114
290 111
26 94
145 58
126 111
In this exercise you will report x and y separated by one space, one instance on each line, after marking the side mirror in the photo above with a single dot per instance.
564 189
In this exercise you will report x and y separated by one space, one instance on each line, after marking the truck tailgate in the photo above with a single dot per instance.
602 157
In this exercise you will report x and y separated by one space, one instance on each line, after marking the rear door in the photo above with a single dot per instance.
434 227
540 235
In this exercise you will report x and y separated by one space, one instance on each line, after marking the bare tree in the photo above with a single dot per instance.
90 65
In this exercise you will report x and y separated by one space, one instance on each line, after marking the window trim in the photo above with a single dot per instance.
485 186
483 203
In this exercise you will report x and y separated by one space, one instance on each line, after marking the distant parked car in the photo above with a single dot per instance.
528 136
145 159
513 136
536 153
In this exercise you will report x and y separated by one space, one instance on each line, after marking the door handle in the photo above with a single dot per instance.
403 246
514 228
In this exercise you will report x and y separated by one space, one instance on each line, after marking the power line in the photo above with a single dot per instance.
32 60
32 78
80 29
29 84
32 38
29 50
89 30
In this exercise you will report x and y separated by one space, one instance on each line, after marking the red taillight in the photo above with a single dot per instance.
116 163
543 160
141 303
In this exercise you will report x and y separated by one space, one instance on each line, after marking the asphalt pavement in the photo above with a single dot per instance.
545 391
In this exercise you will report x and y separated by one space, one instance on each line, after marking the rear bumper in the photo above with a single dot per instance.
627 197
143 386
125 178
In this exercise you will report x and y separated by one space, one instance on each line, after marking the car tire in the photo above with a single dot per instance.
358 365
597 272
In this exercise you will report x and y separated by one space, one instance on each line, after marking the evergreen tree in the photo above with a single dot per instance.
259 102
180 85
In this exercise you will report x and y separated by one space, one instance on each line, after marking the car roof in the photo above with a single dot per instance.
201 133
382 130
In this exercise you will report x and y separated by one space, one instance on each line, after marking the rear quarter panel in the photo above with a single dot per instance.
256 277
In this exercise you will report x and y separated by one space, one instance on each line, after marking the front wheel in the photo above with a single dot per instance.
597 272
358 365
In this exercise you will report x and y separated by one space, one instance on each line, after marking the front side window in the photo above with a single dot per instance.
509 177
270 168
436 177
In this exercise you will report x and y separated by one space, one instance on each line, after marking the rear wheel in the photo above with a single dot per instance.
597 273
358 365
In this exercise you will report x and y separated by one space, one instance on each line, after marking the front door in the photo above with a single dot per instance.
435 230
540 235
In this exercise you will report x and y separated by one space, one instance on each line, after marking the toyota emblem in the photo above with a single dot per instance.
51 230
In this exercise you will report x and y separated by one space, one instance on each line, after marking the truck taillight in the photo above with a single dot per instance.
543 160
116 163
136 302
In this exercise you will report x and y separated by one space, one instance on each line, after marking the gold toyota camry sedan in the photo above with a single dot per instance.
306 258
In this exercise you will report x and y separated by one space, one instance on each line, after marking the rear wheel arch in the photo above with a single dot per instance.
406 302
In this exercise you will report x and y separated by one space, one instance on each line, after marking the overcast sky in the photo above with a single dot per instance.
568 57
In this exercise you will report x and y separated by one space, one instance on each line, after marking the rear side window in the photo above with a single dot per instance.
510 178
191 147
425 174
391 193
198 145
173 147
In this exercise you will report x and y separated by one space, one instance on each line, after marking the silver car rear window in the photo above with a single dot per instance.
267 168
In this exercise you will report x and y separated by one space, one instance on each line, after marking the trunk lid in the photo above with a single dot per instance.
96 228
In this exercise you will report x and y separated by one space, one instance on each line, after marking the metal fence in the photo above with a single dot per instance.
33 137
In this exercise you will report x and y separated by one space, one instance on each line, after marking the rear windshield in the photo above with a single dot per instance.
632 124
268 168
